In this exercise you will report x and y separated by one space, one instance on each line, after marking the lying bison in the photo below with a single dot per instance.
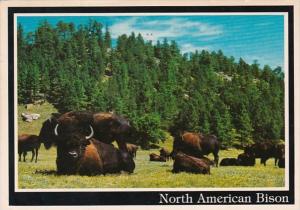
157 158
197 145
28 143
183 162
229 162
165 153
78 152
132 149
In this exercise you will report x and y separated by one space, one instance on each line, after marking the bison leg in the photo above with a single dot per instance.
216 159
24 156
33 154
263 160
36 154
276 159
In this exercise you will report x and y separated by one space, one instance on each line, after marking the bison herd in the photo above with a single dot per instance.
83 142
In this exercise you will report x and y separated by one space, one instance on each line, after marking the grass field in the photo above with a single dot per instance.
146 175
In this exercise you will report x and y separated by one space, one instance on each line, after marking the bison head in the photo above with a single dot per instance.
71 141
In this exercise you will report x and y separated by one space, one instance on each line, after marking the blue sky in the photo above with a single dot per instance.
256 37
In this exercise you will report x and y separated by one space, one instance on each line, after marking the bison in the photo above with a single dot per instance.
78 152
266 150
229 162
27 143
155 157
165 153
183 162
132 149
197 145
107 126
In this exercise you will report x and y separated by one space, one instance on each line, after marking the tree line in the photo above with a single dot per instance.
153 84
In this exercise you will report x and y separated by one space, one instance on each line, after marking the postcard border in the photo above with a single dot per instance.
144 197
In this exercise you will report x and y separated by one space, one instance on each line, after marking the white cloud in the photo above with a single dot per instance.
185 48
124 27
158 29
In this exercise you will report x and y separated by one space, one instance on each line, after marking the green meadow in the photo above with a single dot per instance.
41 175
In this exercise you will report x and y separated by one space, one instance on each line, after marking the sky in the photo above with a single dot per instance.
251 37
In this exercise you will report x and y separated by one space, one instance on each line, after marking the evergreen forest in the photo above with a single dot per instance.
154 85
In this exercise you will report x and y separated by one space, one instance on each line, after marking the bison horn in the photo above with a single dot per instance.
55 130
92 133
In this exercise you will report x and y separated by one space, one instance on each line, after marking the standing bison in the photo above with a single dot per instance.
266 150
197 145
108 127
27 143
47 135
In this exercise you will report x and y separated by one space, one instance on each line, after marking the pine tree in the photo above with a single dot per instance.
107 38
245 128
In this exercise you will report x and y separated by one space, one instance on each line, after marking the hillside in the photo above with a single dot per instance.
153 84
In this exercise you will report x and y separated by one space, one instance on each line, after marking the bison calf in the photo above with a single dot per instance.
188 163
155 157
28 143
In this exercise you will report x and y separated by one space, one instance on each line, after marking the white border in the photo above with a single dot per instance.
285 68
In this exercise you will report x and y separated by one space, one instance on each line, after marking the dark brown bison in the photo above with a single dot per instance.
266 150
196 145
108 127
47 135
183 162
28 143
246 159
165 153
155 157
229 162
132 149
78 152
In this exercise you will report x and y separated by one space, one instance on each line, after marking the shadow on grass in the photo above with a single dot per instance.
46 172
